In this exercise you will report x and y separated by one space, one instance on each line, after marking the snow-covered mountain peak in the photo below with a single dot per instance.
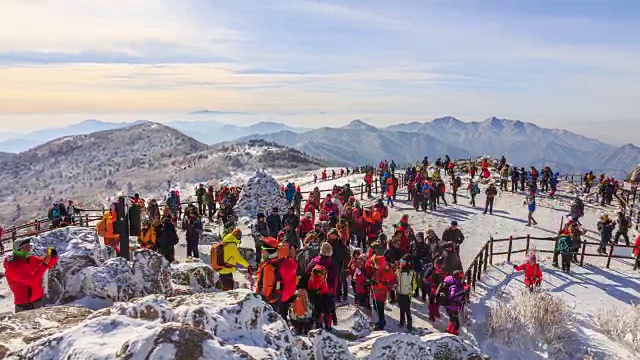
359 124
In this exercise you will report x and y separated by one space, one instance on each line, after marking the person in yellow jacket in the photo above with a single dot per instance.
147 237
232 258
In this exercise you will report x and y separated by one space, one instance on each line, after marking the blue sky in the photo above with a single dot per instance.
567 64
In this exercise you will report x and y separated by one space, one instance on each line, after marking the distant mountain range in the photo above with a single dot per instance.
524 144
206 131
140 157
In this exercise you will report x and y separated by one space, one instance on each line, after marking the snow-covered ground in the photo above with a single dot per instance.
586 291
509 219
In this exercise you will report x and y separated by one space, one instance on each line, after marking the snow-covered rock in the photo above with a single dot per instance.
230 325
120 280
77 247
152 271
634 175
428 347
261 193
18 330
327 346
353 323
194 273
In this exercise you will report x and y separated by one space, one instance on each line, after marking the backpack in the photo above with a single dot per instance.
475 189
405 282
217 256
269 281
458 181
301 308
564 244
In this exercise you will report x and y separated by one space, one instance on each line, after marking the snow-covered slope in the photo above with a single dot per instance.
586 292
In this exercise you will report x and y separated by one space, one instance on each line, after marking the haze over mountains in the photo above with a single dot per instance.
140 158
524 144
358 142
198 127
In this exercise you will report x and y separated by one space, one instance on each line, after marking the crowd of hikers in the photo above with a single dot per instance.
309 263
322 249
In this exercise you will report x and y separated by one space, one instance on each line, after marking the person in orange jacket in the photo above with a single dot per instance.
532 272
390 191
382 281
277 276
24 273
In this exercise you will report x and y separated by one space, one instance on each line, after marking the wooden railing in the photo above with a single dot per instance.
486 254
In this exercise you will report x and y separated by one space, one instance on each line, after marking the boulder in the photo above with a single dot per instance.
634 175
450 347
152 271
113 281
18 330
260 193
353 323
404 346
77 247
230 325
329 347
194 273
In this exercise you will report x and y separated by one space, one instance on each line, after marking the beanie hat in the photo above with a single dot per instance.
532 257
333 232
454 223
326 249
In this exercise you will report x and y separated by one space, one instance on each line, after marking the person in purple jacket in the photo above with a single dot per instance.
455 292
325 260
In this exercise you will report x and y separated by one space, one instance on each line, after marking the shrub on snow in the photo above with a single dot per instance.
534 320
622 324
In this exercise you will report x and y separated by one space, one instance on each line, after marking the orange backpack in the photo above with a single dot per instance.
217 256
301 306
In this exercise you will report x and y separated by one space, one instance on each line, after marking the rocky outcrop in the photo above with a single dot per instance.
18 330
634 175
261 193
327 346
77 247
230 325
353 323
194 273
428 347
153 272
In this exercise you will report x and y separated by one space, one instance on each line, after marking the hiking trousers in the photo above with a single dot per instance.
624 234
404 302
192 249
566 261
488 206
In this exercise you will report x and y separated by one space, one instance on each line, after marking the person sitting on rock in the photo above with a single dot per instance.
24 274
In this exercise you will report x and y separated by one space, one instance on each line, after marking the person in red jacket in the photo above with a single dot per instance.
319 293
636 249
305 225
382 281
532 272
24 274
359 280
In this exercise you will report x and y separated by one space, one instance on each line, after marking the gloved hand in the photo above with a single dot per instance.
52 252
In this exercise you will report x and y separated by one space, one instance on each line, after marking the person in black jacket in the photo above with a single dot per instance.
259 231
274 223
435 245
291 218
421 256
515 176
167 239
451 259
523 178
454 235
194 228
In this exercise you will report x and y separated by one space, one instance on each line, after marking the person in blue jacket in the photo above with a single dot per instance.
531 203
290 192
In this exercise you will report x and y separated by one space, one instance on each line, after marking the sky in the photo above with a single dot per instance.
557 63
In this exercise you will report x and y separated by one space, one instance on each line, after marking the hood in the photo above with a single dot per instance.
450 280
230 239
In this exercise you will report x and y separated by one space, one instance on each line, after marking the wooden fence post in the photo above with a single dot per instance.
609 257
526 251
361 191
491 249
475 274
14 234
486 256
376 188
584 248
510 247
479 266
